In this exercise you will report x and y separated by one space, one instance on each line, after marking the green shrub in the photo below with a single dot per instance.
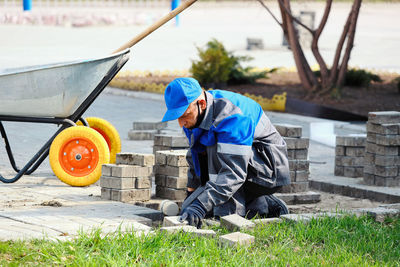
397 82
217 67
357 77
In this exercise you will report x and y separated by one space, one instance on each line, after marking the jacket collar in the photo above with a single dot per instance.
208 117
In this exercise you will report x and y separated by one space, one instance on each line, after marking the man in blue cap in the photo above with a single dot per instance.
237 159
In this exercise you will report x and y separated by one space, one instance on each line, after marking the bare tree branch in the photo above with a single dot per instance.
315 49
350 42
269 11
288 12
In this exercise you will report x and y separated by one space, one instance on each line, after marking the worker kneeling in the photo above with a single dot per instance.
237 159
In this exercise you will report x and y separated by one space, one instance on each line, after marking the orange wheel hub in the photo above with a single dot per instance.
79 156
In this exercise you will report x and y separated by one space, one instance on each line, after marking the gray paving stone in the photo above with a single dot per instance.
171 171
128 195
302 176
177 158
170 193
173 221
388 140
141 135
176 182
383 128
235 222
237 238
171 141
204 232
391 171
105 193
353 171
384 117
106 169
353 140
149 125
371 137
131 171
288 130
161 157
369 158
117 183
160 180
294 187
301 154
349 161
135 159
355 151
299 165
143 182
297 143
386 181
339 170
340 150
387 160
382 150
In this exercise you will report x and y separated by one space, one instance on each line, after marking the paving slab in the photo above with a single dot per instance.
237 238
44 207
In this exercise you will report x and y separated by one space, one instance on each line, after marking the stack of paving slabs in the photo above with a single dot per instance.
349 155
171 174
146 130
129 179
382 156
297 148
169 142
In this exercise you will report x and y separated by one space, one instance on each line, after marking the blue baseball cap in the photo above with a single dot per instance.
178 96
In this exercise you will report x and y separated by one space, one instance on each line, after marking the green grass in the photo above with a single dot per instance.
346 241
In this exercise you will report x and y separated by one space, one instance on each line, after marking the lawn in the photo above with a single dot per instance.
329 241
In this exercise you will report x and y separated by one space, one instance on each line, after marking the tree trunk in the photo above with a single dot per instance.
307 77
350 42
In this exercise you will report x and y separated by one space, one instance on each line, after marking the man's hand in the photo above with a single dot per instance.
194 214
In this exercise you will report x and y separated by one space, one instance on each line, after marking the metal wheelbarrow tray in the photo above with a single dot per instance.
56 93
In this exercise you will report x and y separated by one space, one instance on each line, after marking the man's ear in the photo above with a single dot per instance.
203 104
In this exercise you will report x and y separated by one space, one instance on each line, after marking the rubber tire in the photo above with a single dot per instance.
109 132
63 138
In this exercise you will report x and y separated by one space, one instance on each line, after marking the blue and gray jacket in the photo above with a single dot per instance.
231 133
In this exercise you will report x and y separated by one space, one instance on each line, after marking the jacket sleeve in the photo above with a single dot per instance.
234 139
193 180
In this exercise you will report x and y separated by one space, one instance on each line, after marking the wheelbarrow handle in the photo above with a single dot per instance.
156 25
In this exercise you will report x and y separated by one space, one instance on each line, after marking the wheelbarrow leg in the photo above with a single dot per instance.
8 148
11 157
37 158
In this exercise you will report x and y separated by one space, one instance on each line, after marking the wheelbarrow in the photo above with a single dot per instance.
60 94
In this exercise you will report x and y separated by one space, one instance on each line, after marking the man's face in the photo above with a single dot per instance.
189 118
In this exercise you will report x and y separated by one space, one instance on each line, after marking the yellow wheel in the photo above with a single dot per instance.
77 154
110 134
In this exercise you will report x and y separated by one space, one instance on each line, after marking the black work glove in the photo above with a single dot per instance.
194 214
